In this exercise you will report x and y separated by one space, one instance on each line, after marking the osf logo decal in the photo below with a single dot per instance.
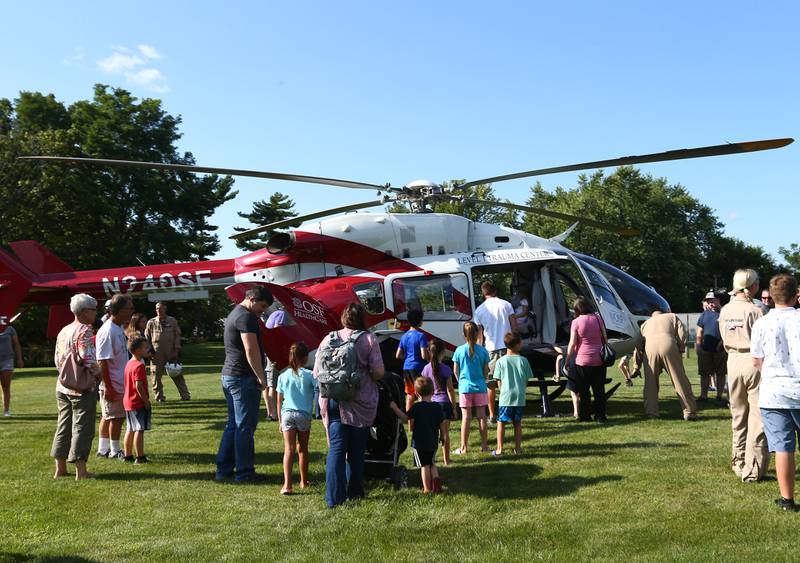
307 310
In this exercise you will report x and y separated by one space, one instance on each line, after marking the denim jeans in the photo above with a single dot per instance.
344 471
237 447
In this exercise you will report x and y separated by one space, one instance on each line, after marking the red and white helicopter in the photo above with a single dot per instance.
389 262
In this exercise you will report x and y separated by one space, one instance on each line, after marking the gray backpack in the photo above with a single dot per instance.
339 374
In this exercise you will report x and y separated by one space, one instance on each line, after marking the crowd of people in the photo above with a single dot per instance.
739 346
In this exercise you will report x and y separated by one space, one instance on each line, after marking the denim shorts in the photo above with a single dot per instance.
295 420
781 427
510 414
7 365
139 419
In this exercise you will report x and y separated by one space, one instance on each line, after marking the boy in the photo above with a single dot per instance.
413 350
426 416
775 348
136 400
512 373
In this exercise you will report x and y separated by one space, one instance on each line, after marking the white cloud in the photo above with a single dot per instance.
136 69
149 51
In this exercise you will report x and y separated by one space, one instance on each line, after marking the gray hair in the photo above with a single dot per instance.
80 302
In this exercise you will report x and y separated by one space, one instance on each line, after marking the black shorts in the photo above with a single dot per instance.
425 457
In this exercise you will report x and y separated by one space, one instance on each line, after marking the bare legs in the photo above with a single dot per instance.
501 430
492 393
292 439
111 428
270 402
444 432
134 439
785 470
429 474
466 419
5 383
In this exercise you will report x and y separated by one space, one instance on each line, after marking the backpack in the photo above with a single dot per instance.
339 374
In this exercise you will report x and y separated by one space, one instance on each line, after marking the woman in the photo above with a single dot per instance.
586 337
76 410
348 422
136 326
9 349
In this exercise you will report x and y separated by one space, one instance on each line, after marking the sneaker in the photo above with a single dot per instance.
101 454
492 420
786 504
6 413
495 453
141 459
691 418
128 459
119 455
458 451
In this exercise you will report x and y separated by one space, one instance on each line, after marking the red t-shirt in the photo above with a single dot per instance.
134 371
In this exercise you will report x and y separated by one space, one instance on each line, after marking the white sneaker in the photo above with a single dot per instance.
6 413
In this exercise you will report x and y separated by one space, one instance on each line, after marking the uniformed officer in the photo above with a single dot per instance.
662 347
164 336
750 455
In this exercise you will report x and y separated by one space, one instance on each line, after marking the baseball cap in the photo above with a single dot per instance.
743 279
108 303
710 295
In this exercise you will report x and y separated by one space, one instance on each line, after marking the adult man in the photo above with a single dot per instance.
766 299
711 356
775 349
164 336
112 355
242 382
495 317
750 456
662 347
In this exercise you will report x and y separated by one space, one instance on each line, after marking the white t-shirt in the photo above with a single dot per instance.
776 339
112 345
493 315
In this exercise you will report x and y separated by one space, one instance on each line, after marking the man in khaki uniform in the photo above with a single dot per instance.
662 347
164 336
750 456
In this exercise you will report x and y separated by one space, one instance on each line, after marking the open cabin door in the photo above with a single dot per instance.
306 320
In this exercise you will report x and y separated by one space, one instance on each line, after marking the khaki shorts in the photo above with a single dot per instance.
494 355
111 409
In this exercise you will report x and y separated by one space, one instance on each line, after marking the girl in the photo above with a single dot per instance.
295 396
443 392
471 367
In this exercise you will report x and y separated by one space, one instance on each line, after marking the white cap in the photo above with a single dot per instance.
710 295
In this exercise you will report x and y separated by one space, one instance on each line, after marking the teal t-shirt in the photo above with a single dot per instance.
513 372
297 390
470 369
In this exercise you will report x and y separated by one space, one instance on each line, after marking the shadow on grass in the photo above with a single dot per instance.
23 557
596 449
514 480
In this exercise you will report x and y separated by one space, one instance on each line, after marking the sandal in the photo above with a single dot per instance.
287 491
458 451
495 453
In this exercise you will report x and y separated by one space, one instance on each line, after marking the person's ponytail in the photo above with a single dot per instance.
471 335
298 356
435 348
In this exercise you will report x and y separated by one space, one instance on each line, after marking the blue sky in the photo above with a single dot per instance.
392 92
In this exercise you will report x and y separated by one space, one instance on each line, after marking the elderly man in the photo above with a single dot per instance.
750 455
711 356
112 355
164 336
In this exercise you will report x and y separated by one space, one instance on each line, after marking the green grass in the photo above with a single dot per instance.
633 490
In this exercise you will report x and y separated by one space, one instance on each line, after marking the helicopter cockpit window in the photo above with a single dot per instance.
600 286
441 298
371 296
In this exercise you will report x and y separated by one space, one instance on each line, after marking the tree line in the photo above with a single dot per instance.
100 217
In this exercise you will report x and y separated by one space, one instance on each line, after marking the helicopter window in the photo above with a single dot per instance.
371 296
600 286
441 298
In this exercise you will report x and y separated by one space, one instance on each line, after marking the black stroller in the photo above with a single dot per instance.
387 436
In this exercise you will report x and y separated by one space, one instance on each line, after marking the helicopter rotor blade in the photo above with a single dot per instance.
679 154
302 218
624 231
212 170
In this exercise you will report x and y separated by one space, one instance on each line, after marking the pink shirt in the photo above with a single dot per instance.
589 340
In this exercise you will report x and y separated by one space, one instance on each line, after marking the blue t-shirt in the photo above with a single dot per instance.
709 322
427 417
470 369
411 344
297 390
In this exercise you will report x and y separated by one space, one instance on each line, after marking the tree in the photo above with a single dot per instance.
265 212
97 216
681 247
792 257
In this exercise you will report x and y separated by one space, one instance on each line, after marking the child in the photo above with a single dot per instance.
571 376
443 392
136 400
471 366
512 371
295 398
413 350
427 417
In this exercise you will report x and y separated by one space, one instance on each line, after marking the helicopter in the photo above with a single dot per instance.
390 262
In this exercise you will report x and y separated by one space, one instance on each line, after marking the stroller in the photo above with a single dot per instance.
387 436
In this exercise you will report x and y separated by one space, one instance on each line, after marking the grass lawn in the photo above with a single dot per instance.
632 490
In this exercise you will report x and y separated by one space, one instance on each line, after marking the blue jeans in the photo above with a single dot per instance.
237 447
344 471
